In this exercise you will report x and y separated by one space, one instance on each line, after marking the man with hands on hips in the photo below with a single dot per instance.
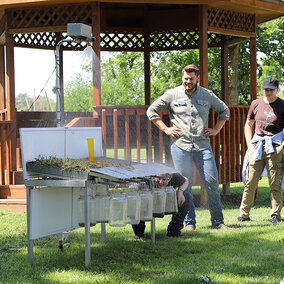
188 106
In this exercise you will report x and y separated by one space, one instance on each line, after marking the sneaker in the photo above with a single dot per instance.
190 228
139 237
242 219
274 220
175 235
223 226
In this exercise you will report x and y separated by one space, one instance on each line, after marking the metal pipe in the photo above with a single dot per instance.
57 81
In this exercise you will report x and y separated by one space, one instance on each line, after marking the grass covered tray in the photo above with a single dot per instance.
70 168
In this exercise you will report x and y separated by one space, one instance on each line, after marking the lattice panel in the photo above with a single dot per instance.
225 19
119 41
35 40
49 16
175 40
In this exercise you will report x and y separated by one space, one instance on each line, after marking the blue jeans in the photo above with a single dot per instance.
206 166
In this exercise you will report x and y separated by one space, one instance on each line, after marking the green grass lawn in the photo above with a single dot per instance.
251 252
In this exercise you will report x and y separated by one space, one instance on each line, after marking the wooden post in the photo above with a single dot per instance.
10 78
2 78
61 86
253 69
225 97
147 64
96 57
203 45
203 62
11 109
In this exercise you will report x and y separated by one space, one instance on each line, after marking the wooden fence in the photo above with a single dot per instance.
126 129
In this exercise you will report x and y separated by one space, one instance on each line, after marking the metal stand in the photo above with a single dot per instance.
87 225
153 231
30 242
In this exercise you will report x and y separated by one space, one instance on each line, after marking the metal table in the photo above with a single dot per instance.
44 194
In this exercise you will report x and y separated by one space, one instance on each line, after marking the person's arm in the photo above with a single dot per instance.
182 188
170 131
249 131
214 131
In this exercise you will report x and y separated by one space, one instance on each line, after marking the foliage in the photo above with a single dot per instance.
123 79
26 103
79 94
123 72
271 45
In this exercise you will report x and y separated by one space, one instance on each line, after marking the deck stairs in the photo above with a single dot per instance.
13 197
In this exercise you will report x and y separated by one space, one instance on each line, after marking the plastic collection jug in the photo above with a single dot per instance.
171 200
117 210
133 207
146 212
92 211
102 201
159 202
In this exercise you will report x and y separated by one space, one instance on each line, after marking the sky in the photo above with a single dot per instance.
35 69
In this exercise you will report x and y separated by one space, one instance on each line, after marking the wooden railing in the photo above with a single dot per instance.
126 129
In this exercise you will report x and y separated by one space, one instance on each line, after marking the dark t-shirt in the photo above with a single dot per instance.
177 180
269 118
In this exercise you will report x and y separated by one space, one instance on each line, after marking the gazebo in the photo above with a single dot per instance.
125 25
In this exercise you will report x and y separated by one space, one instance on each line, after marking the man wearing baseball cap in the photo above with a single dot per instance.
265 148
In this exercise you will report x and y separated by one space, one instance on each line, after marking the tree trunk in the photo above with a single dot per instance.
234 53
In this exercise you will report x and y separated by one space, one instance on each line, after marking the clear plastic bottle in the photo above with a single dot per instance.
92 213
146 212
159 202
171 200
102 200
133 207
117 210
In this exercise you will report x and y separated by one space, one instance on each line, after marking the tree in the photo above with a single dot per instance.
122 73
123 79
79 94
271 45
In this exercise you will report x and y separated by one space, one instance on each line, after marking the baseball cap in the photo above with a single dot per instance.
270 83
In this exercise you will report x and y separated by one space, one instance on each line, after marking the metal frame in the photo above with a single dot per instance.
31 184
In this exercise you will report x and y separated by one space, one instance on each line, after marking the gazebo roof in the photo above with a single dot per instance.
264 10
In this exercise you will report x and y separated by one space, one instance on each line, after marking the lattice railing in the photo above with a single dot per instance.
231 20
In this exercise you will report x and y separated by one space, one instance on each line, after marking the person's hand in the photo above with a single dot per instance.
173 132
210 132
180 197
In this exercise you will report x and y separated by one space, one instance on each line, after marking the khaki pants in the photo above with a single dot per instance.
273 163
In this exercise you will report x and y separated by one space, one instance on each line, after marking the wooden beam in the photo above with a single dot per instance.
231 32
2 78
235 41
203 45
253 69
97 54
